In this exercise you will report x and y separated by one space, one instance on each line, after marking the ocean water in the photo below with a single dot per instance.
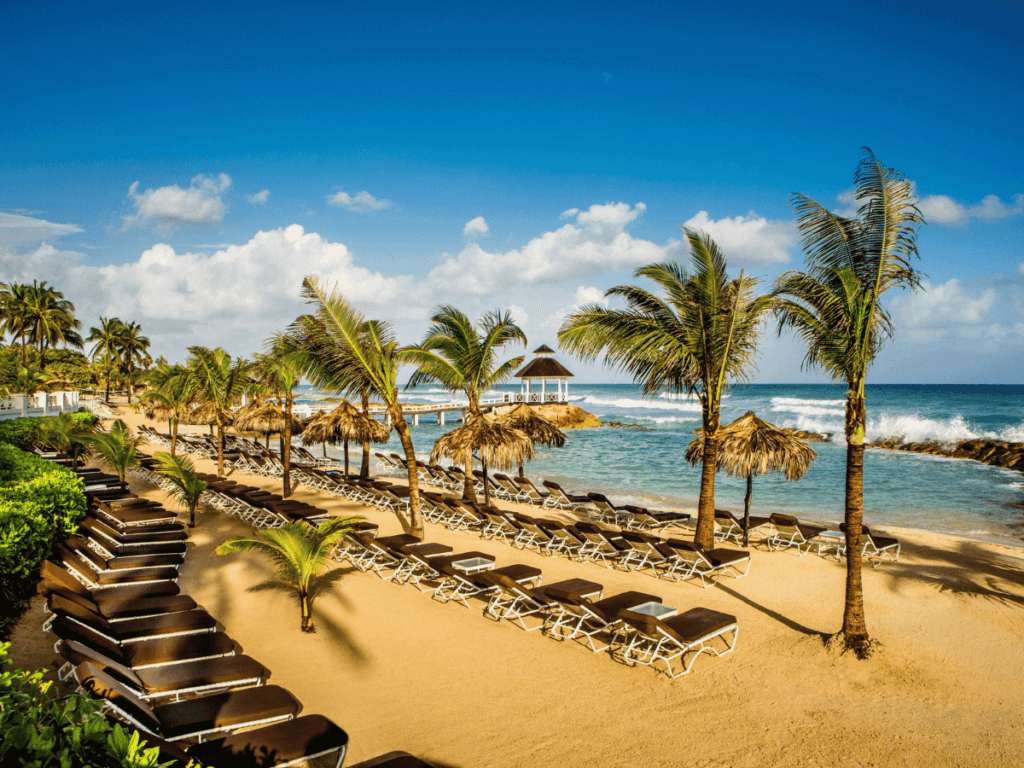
900 489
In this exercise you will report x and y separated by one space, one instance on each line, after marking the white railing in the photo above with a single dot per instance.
40 404
533 397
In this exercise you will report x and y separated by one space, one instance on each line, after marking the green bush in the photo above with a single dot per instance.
42 730
23 432
40 503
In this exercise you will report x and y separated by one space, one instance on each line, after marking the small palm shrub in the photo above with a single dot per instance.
186 487
118 448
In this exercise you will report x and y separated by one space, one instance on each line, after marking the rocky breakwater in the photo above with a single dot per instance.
563 416
998 453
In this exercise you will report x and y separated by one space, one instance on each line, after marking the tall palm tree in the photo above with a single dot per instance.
341 351
172 394
186 487
118 448
699 337
14 298
835 308
462 358
220 383
132 350
301 554
107 347
50 320
280 371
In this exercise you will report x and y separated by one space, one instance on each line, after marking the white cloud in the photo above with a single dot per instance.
930 313
943 209
596 243
519 316
569 214
749 240
475 228
258 198
363 201
22 230
171 206
1020 269
235 296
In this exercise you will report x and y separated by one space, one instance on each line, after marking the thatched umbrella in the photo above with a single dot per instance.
344 424
264 416
202 414
498 446
537 428
751 446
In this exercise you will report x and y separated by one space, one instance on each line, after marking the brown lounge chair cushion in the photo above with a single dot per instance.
394 760
697 623
192 674
570 589
273 744
224 710
146 653
721 556
53 574
124 609
610 607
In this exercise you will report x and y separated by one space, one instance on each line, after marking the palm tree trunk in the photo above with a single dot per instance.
107 397
307 617
746 511
705 536
174 436
855 630
346 459
286 448
468 491
402 427
364 466
220 447
487 492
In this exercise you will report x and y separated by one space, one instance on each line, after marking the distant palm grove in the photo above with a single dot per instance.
694 332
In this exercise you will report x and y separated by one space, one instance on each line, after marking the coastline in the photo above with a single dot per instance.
399 670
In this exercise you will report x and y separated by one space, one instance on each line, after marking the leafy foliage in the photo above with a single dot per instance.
67 435
41 730
118 448
23 433
181 473
300 554
40 503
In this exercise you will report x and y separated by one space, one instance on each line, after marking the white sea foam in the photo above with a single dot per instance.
669 419
780 401
912 428
810 410
628 402
1013 434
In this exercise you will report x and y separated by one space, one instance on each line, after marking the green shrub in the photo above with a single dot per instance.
40 503
42 730
23 432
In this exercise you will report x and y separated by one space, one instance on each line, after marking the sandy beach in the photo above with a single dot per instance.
398 670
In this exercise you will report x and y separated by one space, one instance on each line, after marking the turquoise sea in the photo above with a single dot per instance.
901 489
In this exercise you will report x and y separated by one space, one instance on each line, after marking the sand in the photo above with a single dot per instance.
398 670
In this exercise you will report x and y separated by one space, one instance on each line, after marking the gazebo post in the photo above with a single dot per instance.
346 459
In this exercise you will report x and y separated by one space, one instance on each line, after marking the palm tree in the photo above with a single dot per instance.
107 347
171 396
132 350
301 554
461 358
186 487
14 298
695 340
279 372
50 320
341 351
118 448
835 308
66 435
220 383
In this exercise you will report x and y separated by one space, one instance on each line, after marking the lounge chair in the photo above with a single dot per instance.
194 718
730 528
516 602
510 490
148 653
85 565
301 740
876 548
642 552
63 575
643 519
129 629
603 510
558 498
394 760
173 680
532 493
114 610
671 640
128 542
582 618
684 560
787 531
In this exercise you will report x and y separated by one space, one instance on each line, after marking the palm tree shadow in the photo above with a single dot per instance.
970 570
784 620
322 586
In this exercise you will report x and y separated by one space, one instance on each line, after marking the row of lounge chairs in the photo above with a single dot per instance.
130 637
633 626
553 496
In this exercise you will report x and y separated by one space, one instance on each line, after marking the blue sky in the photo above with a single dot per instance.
186 166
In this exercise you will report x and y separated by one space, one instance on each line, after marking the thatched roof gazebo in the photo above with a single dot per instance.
540 431
751 446
344 424
496 444
266 417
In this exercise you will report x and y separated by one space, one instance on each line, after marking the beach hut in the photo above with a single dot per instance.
751 446
345 424
497 446
544 368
